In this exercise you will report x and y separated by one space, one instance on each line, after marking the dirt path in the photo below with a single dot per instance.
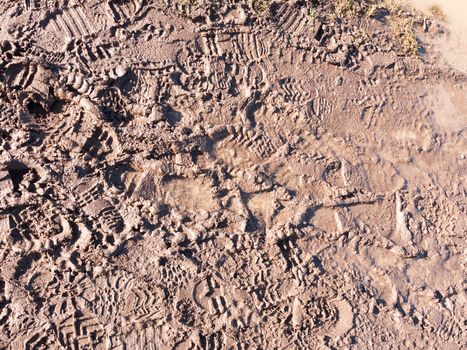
206 174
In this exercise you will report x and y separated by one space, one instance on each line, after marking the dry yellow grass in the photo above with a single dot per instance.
437 12
344 8
403 30
261 6
393 6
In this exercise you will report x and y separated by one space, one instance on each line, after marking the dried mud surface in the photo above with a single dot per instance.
229 175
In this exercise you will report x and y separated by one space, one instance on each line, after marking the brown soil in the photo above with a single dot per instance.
204 174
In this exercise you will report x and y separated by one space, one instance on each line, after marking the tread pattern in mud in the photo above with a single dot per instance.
204 175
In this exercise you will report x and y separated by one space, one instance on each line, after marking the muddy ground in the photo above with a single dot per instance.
204 174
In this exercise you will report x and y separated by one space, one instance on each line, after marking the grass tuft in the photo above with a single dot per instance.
437 12
313 13
261 6
393 6
403 29
344 8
